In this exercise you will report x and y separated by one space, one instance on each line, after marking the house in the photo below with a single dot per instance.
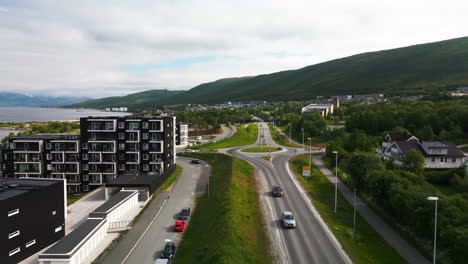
437 154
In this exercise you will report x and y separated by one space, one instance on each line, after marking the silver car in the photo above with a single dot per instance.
289 221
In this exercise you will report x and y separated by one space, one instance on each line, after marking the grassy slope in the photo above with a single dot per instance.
168 182
367 246
261 149
244 136
279 139
227 228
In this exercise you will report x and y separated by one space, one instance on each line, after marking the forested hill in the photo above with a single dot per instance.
414 69
156 97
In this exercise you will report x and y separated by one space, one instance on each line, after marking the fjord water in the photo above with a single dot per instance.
28 114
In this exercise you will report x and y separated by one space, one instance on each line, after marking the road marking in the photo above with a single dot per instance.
146 230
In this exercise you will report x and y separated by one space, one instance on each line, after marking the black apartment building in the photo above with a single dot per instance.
32 216
3 158
47 156
129 145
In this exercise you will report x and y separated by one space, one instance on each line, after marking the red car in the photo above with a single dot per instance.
179 226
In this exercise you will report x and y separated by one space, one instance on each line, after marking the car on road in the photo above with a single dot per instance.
179 226
199 138
189 150
162 261
196 161
277 191
184 214
289 221
169 250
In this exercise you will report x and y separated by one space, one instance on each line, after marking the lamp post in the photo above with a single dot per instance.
354 214
434 198
303 138
289 132
207 166
336 178
310 153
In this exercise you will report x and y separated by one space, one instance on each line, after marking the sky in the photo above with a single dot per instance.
115 47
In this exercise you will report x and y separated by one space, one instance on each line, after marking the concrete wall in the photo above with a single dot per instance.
122 209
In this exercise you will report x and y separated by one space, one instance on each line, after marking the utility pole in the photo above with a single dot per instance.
354 215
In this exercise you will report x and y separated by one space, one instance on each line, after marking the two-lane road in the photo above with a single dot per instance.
310 241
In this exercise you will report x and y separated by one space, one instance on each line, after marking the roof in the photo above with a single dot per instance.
44 136
75 239
452 150
399 136
11 187
114 201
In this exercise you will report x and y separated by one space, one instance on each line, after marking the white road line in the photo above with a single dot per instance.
146 230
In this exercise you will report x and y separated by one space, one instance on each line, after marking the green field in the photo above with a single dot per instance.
244 136
228 227
280 139
366 246
262 149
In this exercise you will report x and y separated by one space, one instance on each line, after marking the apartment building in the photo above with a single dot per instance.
32 216
3 158
129 145
47 156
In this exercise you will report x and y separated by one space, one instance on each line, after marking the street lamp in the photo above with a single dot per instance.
354 214
336 177
207 166
289 132
310 152
434 198
303 138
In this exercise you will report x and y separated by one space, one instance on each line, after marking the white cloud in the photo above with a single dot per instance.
81 47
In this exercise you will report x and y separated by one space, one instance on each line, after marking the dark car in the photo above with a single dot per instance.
168 251
277 191
184 214
196 161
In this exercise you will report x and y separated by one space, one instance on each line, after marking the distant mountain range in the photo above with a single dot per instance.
19 99
410 70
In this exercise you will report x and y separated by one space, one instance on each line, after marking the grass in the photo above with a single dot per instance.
228 227
168 182
280 139
71 198
464 149
262 149
366 245
446 189
244 136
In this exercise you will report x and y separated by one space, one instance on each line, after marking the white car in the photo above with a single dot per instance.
189 150
199 138
289 221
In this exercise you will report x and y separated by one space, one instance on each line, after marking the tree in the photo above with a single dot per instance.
414 161
360 164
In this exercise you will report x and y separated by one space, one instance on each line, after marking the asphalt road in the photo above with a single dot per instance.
145 246
310 241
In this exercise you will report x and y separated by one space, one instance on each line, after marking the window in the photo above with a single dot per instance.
84 146
441 159
14 251
48 145
48 156
121 146
121 166
14 234
145 167
454 159
12 145
85 177
145 156
85 188
30 243
121 125
145 135
13 212
85 156
144 125
145 146
58 229
133 125
85 167
121 135
93 136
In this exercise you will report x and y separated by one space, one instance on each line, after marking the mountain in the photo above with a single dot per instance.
409 70
18 99
156 97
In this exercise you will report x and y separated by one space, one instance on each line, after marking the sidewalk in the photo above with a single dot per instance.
409 253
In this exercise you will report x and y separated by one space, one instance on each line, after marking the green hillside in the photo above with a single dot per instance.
157 97
409 70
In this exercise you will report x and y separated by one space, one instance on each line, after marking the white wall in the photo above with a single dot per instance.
437 164
122 209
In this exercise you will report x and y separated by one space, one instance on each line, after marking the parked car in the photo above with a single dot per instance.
162 261
289 221
184 214
169 250
199 138
188 150
196 161
179 226
277 191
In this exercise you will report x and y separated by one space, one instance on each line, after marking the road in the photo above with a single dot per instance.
145 241
228 131
311 241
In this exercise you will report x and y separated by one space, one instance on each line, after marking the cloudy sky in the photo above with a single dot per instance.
99 48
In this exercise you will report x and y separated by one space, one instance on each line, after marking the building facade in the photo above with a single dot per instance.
32 216
113 146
